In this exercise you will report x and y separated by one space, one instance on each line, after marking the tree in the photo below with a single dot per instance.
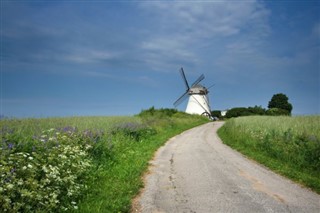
237 111
257 110
280 101
216 113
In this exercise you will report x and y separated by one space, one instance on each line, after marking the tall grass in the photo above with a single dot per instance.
288 145
81 164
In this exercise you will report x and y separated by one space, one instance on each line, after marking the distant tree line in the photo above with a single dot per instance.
278 105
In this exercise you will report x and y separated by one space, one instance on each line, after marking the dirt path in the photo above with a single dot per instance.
195 172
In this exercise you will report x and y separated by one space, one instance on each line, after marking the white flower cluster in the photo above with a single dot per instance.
48 180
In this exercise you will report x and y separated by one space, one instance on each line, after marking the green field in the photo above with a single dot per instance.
81 164
288 145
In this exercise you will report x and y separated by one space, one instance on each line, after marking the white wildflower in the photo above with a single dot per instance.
24 168
10 186
30 166
20 182
30 158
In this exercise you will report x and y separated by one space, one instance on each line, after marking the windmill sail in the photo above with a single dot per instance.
184 78
198 80
181 99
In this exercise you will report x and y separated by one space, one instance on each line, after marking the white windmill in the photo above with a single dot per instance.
198 97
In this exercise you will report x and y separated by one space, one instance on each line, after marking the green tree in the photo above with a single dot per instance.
216 113
280 101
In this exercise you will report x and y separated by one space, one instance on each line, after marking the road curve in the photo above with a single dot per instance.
195 172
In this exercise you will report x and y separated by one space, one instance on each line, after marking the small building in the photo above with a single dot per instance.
224 112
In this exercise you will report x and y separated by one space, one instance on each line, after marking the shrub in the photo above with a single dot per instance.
216 113
238 111
47 173
277 111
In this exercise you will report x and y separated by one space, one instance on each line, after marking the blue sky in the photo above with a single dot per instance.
70 58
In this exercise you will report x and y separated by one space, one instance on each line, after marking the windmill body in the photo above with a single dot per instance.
198 97
198 101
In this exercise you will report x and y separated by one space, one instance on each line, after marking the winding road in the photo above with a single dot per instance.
196 172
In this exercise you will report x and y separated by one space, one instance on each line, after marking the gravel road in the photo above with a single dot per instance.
195 172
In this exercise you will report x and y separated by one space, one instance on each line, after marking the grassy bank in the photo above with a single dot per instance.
81 164
288 145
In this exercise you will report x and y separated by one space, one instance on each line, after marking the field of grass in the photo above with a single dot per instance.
81 164
288 145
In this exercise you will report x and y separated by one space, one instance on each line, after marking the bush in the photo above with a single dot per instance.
216 113
47 174
277 112
243 111
238 111
256 110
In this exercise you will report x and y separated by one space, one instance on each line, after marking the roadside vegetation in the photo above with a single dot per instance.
278 105
288 145
81 164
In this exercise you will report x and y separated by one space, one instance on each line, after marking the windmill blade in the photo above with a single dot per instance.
184 78
181 99
198 80
210 86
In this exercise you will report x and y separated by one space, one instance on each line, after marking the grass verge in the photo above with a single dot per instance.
288 145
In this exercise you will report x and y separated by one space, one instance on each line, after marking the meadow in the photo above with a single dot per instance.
81 164
288 145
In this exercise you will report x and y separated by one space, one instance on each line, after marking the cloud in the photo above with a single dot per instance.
187 27
90 56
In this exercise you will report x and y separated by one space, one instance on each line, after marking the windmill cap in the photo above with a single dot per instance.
198 89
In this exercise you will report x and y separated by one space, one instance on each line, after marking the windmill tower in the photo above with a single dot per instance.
198 97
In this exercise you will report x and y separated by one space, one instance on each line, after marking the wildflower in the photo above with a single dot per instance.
20 182
13 170
30 158
10 186
30 166
24 168
10 146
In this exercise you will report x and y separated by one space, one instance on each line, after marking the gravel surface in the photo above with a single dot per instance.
195 172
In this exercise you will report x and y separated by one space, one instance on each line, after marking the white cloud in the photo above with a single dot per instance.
183 25
90 56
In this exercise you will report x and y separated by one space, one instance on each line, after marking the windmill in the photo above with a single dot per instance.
198 97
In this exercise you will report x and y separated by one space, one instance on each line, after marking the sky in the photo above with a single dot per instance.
87 58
